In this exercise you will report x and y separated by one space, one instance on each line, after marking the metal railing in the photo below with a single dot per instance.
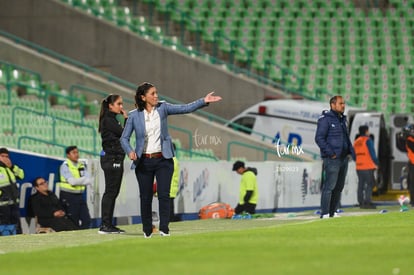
53 120
47 142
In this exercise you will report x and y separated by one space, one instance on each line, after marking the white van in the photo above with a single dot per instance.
292 121
288 121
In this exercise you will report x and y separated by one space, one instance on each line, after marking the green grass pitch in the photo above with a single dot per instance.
301 243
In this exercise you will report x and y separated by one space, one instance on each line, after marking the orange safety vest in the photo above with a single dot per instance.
409 152
363 158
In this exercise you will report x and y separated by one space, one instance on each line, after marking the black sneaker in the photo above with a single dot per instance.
120 231
104 229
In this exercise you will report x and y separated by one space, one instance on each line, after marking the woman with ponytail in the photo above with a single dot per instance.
112 159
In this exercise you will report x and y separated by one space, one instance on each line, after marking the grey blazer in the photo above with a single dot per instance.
136 122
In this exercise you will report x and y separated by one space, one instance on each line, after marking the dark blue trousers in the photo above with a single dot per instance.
146 171
76 208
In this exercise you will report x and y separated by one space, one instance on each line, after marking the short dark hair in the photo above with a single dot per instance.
237 165
70 149
4 150
34 182
333 99
363 129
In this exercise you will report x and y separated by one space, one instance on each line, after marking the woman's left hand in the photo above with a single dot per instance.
211 98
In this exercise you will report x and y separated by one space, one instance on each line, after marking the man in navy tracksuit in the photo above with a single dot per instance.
333 140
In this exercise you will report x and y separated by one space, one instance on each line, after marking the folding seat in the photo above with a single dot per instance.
209 26
334 56
298 41
298 59
276 73
107 3
351 55
163 6
292 81
122 16
230 31
243 55
259 62
249 43
401 107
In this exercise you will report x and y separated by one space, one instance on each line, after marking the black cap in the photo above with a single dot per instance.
4 150
237 165
363 130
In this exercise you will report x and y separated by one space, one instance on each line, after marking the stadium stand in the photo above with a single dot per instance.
41 117
332 47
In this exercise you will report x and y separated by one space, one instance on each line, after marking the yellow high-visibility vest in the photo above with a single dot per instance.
74 170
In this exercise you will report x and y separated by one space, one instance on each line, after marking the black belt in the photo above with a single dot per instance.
156 155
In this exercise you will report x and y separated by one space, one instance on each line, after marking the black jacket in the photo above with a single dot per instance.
111 131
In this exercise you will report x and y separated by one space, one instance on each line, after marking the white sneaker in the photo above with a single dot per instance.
326 216
164 234
336 215
147 236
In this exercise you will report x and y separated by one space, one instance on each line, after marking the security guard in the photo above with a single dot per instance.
9 192
73 181
174 187
366 162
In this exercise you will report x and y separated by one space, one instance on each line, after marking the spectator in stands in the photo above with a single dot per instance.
152 156
48 210
175 181
74 178
9 191
112 159
333 140
248 188
366 162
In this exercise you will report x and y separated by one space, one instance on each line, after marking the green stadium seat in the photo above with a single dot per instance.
164 6
287 31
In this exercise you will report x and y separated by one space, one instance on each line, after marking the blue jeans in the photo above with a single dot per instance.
335 173
366 181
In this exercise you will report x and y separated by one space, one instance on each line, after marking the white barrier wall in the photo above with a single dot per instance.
283 186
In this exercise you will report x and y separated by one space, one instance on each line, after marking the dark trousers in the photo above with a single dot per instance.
162 169
173 217
172 214
247 207
113 167
410 181
335 173
366 181
58 224
76 209
10 214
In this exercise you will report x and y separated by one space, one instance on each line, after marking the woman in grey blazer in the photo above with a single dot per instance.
153 151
